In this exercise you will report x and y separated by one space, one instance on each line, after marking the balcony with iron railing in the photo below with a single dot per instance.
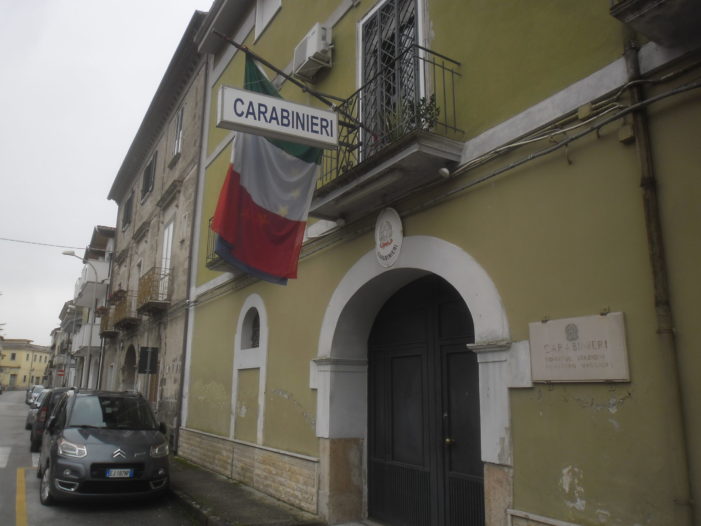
107 328
154 291
213 260
126 316
396 133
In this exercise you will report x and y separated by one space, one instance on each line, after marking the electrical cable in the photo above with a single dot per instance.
39 243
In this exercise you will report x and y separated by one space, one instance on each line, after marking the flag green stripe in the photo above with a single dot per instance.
254 80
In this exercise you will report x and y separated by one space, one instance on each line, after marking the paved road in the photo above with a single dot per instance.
19 486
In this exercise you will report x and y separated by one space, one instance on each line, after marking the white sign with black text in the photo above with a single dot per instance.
268 116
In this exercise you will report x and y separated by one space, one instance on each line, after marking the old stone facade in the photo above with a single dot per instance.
155 192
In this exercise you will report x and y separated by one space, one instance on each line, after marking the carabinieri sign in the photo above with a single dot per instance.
252 112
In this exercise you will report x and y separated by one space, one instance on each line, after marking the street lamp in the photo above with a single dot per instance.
94 308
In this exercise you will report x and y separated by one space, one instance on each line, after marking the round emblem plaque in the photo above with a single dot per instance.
388 237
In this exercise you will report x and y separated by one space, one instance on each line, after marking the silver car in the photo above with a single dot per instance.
34 408
100 444
32 392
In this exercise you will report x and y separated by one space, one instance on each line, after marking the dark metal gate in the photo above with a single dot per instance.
424 466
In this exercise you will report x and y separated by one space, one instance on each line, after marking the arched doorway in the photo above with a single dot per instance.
424 463
341 366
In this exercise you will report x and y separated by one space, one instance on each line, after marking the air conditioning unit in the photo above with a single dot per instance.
313 52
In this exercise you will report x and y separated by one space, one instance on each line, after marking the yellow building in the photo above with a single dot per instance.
22 364
494 311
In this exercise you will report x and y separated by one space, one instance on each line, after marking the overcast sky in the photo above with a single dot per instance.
76 78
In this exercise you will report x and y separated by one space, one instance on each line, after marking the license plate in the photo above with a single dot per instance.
120 473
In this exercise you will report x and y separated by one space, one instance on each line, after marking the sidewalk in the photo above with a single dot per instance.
217 501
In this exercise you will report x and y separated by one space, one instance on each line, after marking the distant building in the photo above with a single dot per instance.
22 363
84 312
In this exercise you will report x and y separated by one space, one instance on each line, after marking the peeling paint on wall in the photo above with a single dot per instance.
603 516
308 416
571 484
612 405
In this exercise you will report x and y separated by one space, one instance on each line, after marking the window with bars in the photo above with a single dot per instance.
389 71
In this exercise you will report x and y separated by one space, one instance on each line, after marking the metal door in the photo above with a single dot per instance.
424 466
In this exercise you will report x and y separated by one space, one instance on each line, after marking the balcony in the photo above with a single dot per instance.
86 338
107 328
90 286
125 314
396 134
154 291
669 23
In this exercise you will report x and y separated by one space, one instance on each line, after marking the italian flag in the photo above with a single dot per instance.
264 201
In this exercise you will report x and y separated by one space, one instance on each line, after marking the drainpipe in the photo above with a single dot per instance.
192 256
653 225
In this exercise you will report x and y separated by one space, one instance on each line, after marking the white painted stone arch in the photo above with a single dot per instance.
419 255
250 358
339 373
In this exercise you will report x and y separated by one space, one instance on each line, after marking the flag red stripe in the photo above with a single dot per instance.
259 238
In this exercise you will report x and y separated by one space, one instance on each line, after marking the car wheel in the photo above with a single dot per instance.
45 495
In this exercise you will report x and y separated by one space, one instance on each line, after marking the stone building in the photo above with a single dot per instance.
144 331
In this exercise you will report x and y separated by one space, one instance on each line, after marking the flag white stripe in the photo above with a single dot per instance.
276 180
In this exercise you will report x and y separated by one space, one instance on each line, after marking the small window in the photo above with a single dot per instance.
178 136
127 211
149 176
27 356
13 356
250 338
265 11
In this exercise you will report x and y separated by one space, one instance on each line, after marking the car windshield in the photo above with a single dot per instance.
113 412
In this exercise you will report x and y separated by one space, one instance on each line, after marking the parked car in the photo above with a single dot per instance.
33 408
32 390
44 410
100 444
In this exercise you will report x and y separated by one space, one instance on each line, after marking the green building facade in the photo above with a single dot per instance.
492 320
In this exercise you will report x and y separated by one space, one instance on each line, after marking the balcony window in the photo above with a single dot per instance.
127 211
148 177
177 136
265 11
387 36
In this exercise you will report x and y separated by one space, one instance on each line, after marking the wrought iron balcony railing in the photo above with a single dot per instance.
125 314
213 260
414 93
107 328
154 291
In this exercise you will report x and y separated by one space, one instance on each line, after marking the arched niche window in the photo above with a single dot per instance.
250 365
250 331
